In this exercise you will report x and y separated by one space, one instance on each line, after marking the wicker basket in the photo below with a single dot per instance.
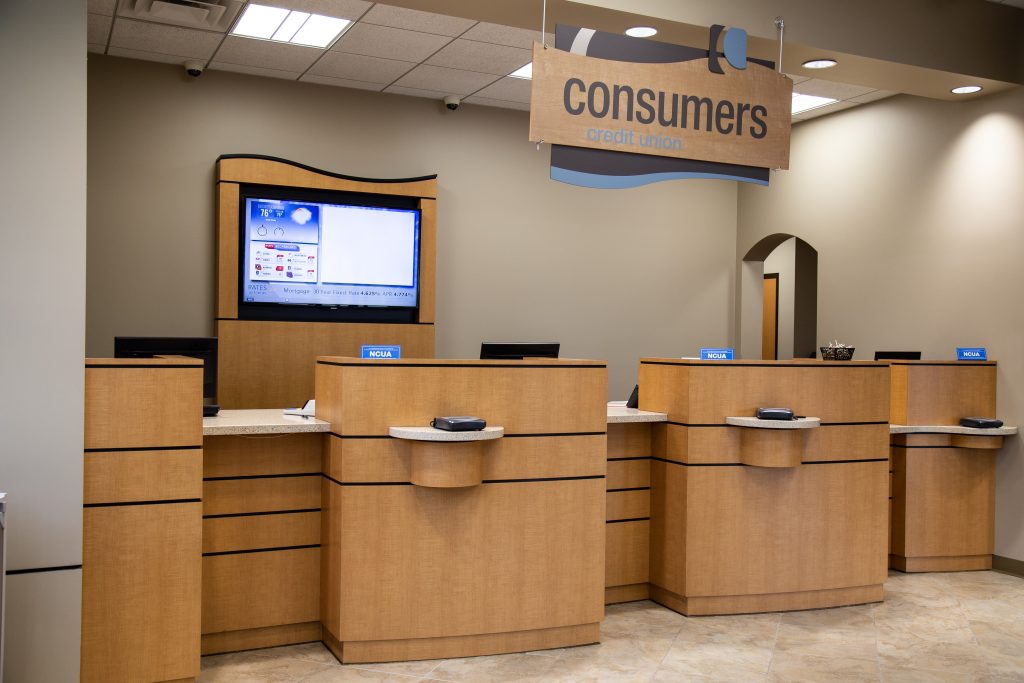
836 353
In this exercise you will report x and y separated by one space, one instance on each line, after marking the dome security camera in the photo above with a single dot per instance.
452 102
194 68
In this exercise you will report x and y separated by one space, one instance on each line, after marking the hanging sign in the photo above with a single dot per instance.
641 111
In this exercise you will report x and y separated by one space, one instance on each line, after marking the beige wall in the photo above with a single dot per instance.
917 212
783 262
611 274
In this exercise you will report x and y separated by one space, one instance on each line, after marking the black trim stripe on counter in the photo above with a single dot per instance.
485 481
968 448
949 363
740 464
260 550
732 364
142 502
821 424
542 434
631 519
632 457
246 320
260 514
122 449
64 567
263 476
130 366
378 364
632 488
320 171
506 436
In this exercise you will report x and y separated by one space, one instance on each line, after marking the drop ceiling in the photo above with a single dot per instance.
387 49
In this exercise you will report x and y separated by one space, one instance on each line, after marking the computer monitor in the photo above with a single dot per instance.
194 347
518 350
897 355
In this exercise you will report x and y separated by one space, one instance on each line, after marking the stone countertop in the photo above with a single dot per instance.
951 429
268 421
618 414
431 434
798 423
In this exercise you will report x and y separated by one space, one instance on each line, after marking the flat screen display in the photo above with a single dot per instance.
327 254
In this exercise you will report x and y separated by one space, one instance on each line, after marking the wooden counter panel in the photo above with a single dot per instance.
668 525
710 445
629 439
628 474
753 530
264 171
227 250
942 394
372 398
255 590
834 393
428 259
141 577
285 353
388 460
627 553
125 476
257 638
234 496
135 407
628 504
949 502
423 563
222 534
234 456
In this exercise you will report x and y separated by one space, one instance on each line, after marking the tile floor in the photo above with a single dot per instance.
932 627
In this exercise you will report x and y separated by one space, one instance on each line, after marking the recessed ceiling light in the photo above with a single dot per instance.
523 72
966 89
641 31
285 26
802 103
820 64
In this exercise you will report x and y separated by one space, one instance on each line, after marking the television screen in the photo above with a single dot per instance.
328 254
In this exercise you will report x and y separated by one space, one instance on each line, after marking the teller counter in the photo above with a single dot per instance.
756 516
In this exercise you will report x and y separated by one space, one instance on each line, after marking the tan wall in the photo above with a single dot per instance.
916 210
611 274
783 262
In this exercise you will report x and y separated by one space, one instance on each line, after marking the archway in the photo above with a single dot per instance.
795 263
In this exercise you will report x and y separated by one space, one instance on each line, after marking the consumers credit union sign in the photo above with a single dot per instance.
727 118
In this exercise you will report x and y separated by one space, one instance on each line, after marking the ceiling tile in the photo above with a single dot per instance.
509 89
254 70
798 79
93 47
166 40
99 28
390 43
267 54
506 35
360 67
470 55
416 92
147 56
414 20
504 104
449 81
102 6
837 91
828 109
873 96
341 82
342 9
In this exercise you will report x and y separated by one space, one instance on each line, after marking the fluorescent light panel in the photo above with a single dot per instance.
523 72
641 31
285 26
819 64
802 103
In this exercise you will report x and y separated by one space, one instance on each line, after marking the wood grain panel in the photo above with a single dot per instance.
771 602
257 638
771 447
942 394
666 389
898 394
668 525
372 397
255 590
438 464
976 442
388 460
233 496
227 250
628 504
124 476
140 592
920 439
950 502
617 594
273 172
627 553
953 563
223 534
814 527
285 353
463 646
712 445
628 440
628 474
428 259
143 407
234 456
422 563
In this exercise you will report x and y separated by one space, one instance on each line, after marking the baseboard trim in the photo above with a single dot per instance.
1008 565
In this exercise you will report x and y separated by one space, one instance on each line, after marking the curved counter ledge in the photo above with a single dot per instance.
622 414
431 434
753 422
951 429
269 421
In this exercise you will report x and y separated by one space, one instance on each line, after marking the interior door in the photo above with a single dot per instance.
770 318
